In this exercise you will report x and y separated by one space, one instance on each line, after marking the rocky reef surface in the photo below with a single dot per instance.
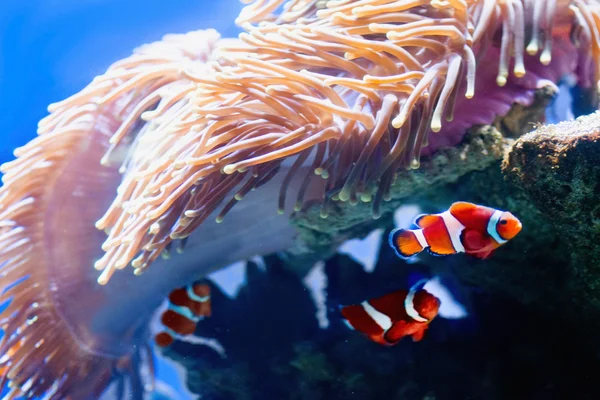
549 178
483 148
276 348
534 306
558 168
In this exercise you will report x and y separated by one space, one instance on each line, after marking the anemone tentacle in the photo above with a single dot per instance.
360 85
340 92
42 353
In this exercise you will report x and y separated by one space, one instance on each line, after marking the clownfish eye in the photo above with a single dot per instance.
503 221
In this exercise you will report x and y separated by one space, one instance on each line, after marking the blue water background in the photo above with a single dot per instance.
50 49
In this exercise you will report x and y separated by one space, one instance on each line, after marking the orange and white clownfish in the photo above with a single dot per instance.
187 306
389 318
464 228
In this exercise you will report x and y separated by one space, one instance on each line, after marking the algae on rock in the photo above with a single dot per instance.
482 147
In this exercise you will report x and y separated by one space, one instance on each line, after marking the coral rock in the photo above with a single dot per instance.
558 167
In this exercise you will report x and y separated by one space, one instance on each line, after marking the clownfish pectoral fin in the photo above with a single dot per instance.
407 243
425 220
489 254
482 254
418 335
472 240
396 332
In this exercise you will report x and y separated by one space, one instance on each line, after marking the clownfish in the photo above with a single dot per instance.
389 318
464 228
186 307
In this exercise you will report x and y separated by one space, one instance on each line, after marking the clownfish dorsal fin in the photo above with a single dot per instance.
461 208
409 301
425 220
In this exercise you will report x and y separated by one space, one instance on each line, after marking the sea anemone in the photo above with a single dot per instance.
327 99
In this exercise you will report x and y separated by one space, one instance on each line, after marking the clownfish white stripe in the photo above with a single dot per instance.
184 312
409 306
194 296
380 318
454 228
171 333
492 227
421 238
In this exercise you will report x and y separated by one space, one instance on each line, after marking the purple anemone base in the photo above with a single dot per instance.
491 100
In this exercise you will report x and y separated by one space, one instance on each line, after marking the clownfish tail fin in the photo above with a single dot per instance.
351 315
347 323
405 242
164 339
341 310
